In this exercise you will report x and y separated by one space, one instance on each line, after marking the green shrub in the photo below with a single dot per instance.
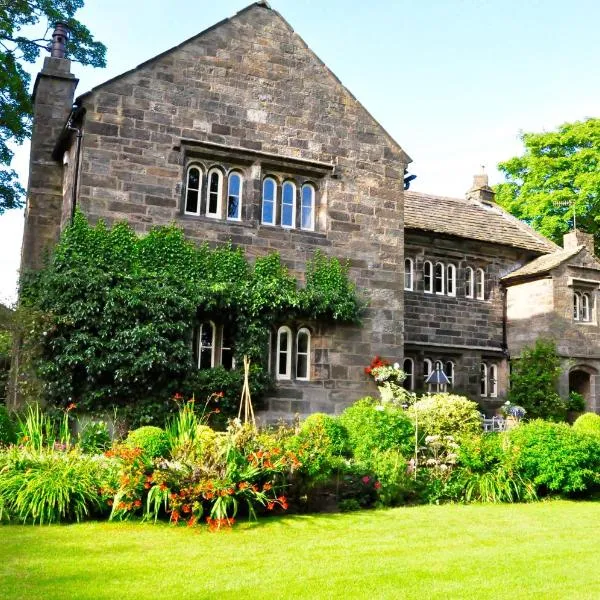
7 428
556 457
375 427
393 483
153 441
321 442
534 380
588 423
576 402
446 414
49 486
94 437
485 471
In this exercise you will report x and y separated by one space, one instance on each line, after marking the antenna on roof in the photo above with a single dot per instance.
567 204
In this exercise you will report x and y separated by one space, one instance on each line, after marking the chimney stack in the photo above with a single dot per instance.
577 238
58 46
480 190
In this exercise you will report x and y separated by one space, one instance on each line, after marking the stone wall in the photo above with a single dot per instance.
249 93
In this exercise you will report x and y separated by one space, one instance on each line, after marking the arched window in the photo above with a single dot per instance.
284 353
234 196
493 381
427 277
192 190
576 306
288 205
408 274
303 354
469 283
227 359
206 345
449 371
484 379
215 188
480 284
439 278
307 214
585 307
451 280
268 201
408 367
427 366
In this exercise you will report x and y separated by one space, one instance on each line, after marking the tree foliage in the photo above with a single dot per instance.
534 381
113 314
17 49
559 173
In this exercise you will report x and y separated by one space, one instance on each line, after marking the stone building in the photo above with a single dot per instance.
242 134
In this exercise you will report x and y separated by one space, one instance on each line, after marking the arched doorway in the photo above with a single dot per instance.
581 380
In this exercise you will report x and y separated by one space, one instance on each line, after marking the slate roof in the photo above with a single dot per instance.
471 219
543 264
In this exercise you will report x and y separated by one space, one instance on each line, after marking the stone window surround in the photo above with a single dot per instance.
408 366
282 182
256 165
583 288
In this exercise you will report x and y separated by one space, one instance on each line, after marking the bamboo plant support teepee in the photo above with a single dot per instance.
246 400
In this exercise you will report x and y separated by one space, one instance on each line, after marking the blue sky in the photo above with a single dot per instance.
453 81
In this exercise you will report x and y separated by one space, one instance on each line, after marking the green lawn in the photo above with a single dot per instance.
545 550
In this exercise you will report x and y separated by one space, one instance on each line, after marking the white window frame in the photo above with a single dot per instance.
303 330
493 381
239 197
427 368
469 283
288 363
576 306
451 279
313 195
408 271
449 372
410 374
213 340
218 213
586 313
273 201
480 284
187 189
483 373
285 184
441 278
427 265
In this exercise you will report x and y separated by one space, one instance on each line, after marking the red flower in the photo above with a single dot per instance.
71 406
377 485
177 396
137 503
270 505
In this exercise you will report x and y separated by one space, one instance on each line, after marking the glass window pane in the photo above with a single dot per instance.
302 342
213 195
194 179
191 202
268 205
283 347
307 207
302 368
233 198
287 205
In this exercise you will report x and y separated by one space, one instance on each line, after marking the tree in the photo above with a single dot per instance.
558 174
17 49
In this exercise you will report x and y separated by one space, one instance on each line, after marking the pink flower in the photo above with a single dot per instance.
366 479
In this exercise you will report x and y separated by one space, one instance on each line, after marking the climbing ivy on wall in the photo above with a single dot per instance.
113 314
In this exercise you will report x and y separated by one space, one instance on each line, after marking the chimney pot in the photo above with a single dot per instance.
60 36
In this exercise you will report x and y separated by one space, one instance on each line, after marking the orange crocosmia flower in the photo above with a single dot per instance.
137 503
267 486
163 486
270 505
282 499
186 508
243 485
191 522
175 516
147 486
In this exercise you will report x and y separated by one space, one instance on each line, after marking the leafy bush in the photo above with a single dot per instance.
320 443
374 427
392 480
94 437
588 423
534 380
556 457
7 428
486 472
153 441
576 402
446 414
49 486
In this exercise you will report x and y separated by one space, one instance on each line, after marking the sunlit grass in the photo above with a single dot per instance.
543 550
